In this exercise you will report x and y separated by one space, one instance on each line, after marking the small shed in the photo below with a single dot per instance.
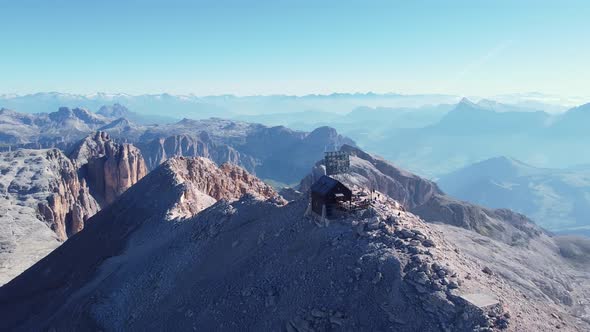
327 194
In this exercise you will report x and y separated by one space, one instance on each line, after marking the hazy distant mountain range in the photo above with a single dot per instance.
273 153
431 139
471 132
559 199
196 107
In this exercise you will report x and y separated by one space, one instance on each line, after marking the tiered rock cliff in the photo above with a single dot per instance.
109 168
70 204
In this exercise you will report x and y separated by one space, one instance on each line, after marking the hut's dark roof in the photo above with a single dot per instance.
324 184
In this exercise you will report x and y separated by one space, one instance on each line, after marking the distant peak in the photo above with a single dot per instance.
114 111
185 121
466 101
505 165
117 123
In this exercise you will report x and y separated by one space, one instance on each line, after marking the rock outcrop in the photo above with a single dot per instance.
108 167
401 185
49 197
204 183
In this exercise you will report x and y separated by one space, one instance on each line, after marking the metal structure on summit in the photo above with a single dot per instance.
337 162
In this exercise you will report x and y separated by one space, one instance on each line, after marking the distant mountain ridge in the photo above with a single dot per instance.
471 132
199 107
276 153
555 198
470 118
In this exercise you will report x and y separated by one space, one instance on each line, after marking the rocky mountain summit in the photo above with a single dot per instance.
425 199
257 263
546 269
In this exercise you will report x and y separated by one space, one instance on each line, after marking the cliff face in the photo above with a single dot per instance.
109 168
49 197
158 150
70 204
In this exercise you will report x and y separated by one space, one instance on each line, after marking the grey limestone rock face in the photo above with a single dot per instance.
43 202
49 197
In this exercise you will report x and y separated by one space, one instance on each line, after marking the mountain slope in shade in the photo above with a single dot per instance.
45 201
252 264
557 199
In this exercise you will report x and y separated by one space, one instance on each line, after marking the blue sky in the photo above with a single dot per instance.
295 47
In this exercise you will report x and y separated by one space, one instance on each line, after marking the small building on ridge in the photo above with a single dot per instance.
327 195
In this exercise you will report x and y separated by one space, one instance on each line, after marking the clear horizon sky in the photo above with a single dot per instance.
462 47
